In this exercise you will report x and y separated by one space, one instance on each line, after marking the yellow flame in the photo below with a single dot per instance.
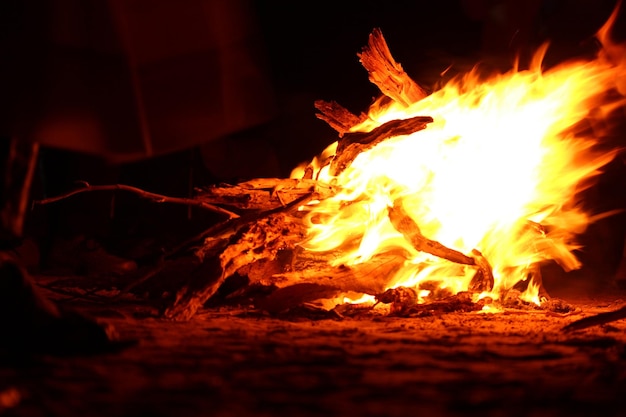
497 170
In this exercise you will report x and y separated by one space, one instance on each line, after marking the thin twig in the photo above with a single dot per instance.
157 198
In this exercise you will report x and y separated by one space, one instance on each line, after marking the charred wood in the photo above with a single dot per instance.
352 144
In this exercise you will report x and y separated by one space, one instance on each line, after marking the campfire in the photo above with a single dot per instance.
450 200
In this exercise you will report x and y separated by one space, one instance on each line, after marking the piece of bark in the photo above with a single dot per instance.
387 74
352 144
404 224
337 116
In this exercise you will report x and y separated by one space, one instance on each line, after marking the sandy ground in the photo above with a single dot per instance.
237 362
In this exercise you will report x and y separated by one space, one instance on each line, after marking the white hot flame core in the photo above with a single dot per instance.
497 170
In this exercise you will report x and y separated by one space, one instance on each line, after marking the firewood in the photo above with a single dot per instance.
337 116
263 193
404 224
386 73
352 144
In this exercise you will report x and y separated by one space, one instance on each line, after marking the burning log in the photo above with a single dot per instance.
596 320
352 144
387 74
400 298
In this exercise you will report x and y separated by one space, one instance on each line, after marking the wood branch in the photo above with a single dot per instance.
157 198
337 116
264 193
352 144
386 73
404 224
596 320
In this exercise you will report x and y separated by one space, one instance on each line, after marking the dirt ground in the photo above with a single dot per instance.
239 362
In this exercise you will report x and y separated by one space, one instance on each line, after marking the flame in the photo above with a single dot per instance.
498 171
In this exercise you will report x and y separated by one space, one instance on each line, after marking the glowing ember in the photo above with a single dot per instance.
496 171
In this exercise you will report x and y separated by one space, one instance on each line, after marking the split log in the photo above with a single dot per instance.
387 74
352 144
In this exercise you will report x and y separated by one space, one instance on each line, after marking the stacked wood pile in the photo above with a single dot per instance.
257 244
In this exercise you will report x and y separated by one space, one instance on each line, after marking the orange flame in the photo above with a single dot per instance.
496 171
